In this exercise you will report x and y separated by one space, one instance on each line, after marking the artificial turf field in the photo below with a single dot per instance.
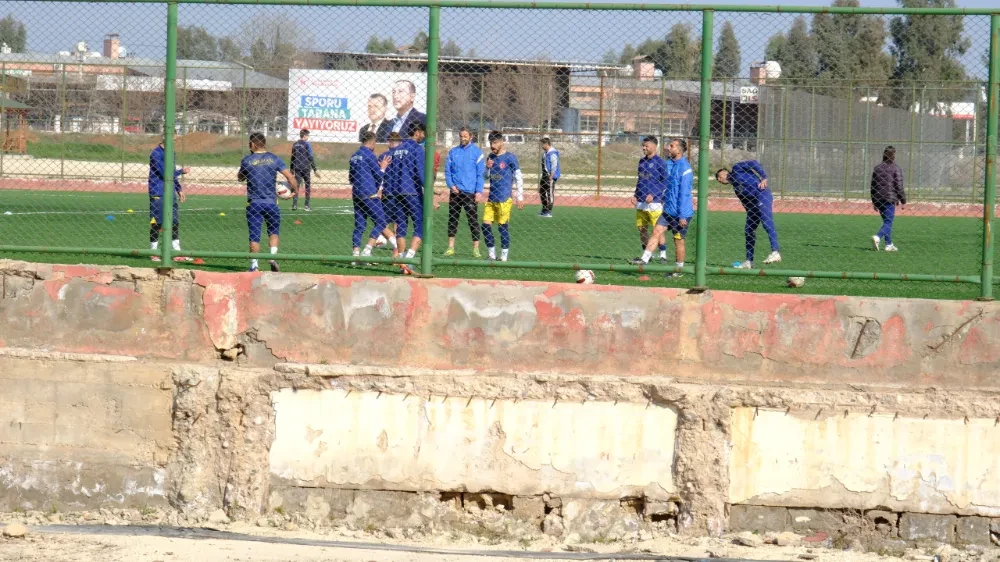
929 245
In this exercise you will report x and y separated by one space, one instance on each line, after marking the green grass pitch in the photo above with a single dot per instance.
945 246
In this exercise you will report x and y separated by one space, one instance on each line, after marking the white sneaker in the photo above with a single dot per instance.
891 248
774 257
876 241
745 265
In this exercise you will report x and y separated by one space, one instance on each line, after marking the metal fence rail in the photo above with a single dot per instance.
595 80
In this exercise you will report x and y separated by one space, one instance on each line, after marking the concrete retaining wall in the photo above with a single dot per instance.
713 411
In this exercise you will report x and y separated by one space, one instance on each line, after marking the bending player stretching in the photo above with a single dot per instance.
365 174
504 173
749 181
259 169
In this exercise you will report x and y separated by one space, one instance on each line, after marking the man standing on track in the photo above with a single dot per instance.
156 183
303 163
464 172
549 176
749 181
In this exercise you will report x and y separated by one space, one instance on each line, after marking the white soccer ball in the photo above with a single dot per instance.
796 282
284 190
585 276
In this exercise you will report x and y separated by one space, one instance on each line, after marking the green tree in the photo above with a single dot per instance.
795 52
196 43
727 57
13 33
628 53
610 57
229 50
850 51
379 46
420 42
451 49
926 51
679 53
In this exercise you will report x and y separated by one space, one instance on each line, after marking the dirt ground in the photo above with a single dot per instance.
242 542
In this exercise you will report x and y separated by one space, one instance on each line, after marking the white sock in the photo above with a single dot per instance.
663 254
504 253
274 250
392 242
646 254
492 253
177 245
367 251
410 253
154 245
253 264
381 239
680 264
357 252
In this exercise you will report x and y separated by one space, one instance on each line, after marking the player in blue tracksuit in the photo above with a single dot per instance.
157 179
404 183
303 165
366 173
749 181
550 175
464 171
259 170
505 174
388 203
651 183
678 207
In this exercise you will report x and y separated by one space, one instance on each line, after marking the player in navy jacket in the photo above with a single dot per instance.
404 182
157 181
366 173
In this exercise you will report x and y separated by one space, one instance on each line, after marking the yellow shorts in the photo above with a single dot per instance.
647 218
498 212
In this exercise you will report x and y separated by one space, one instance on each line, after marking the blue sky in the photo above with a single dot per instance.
573 35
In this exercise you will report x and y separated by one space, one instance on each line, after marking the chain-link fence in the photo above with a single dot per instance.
808 101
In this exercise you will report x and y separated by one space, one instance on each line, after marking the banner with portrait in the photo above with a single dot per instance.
340 105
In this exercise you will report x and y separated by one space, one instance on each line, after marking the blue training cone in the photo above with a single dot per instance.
737 263
110 217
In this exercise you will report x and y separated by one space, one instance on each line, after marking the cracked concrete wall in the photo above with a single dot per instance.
592 449
500 327
865 461
81 435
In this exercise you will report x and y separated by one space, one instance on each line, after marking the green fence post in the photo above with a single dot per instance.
62 125
124 117
847 149
784 139
704 131
433 49
989 199
812 135
169 110
3 89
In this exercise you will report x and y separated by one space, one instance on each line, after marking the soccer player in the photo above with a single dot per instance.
404 182
464 172
365 174
678 207
259 170
505 174
749 181
388 203
550 175
157 180
650 187
887 192
303 163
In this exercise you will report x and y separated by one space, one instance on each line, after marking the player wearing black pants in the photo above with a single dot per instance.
548 178
303 165
463 201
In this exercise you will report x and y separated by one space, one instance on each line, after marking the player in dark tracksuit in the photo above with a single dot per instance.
749 181
366 174
887 192
157 218
549 176
303 164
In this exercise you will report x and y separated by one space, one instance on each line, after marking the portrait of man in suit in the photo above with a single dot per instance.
379 125
403 95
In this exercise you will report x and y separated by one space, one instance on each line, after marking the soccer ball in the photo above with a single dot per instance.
284 190
585 276
796 282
